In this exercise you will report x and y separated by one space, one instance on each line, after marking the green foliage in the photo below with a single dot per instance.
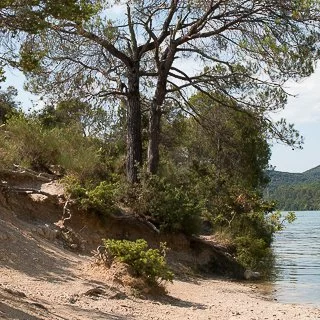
8 104
147 263
253 232
168 203
26 142
100 198
92 120
231 143
34 15
30 58
252 252
278 219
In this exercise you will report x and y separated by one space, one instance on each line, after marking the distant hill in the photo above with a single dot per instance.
295 191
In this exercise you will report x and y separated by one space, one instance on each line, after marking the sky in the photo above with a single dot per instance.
303 110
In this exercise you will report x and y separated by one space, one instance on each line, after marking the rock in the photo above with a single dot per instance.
4 236
251 275
15 293
46 231
74 298
95 292
40 232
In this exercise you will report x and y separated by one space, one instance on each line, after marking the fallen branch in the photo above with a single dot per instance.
43 177
25 190
47 177
137 220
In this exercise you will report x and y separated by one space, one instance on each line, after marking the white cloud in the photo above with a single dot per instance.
305 106
115 12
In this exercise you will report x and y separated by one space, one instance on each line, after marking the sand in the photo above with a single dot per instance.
79 290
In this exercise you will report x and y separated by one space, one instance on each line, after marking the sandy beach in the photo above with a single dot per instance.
77 292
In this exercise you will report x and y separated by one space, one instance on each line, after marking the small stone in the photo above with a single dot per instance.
40 231
94 292
73 299
251 275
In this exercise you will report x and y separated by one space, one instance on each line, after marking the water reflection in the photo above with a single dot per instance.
296 274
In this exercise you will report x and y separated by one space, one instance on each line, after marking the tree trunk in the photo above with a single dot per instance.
155 110
154 137
134 140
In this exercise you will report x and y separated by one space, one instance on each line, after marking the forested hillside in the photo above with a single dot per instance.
295 191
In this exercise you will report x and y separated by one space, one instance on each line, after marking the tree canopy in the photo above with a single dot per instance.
150 53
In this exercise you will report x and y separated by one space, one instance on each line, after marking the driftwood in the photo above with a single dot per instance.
24 190
23 172
135 219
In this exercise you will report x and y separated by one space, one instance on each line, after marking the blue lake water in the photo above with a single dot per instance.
297 265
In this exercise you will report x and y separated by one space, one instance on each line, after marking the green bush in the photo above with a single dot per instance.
252 252
147 263
100 198
171 206
26 142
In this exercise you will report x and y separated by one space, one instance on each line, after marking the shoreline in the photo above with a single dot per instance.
284 293
64 297
243 301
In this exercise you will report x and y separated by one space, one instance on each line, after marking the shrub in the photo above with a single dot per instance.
171 206
26 142
252 252
147 263
100 198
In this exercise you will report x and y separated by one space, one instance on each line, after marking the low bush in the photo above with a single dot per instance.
147 263
23 142
252 252
100 198
26 142
170 205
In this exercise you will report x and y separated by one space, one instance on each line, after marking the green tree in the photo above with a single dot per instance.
248 51
227 151
8 103
234 141
92 120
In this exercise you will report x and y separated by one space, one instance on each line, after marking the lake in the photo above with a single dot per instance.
297 265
